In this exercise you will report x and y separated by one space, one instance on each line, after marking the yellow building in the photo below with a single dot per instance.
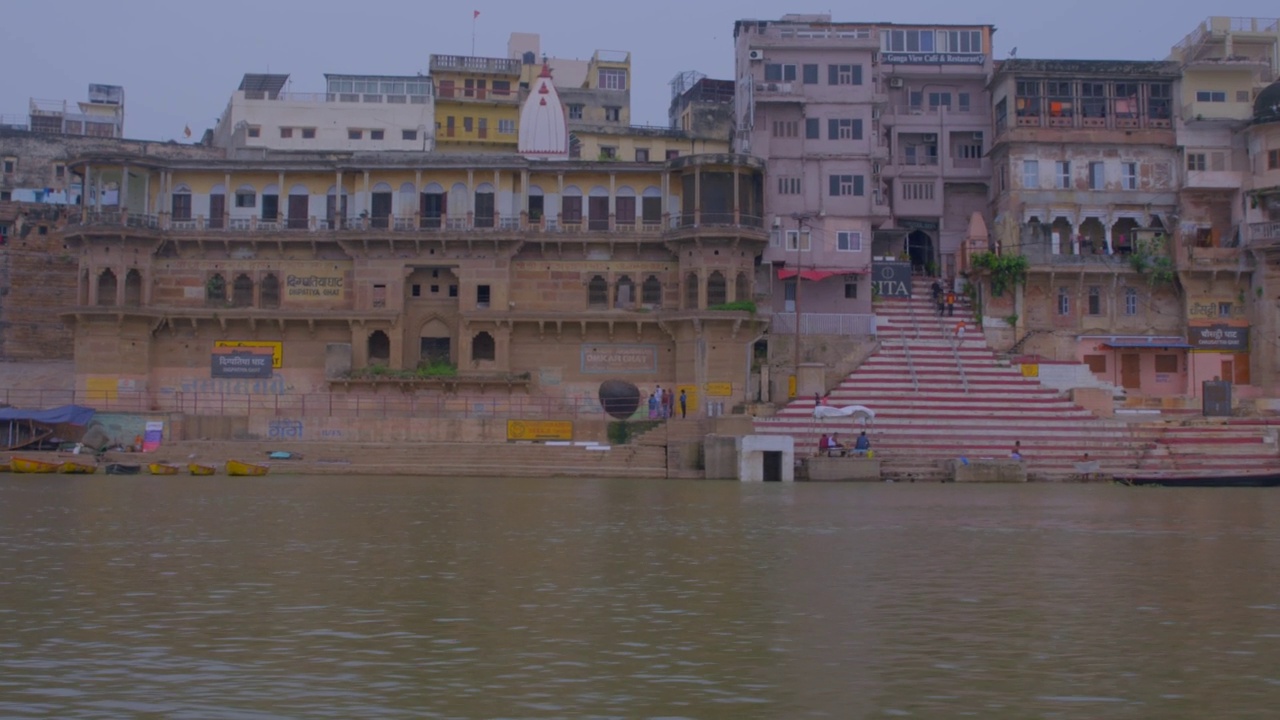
477 102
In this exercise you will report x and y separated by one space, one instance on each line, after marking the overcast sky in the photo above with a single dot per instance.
179 61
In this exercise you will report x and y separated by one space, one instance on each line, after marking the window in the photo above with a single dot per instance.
849 241
1130 175
10 165
1195 162
785 128
1243 96
308 133
1273 159
501 88
286 132
844 129
608 152
376 134
1027 102
182 205
969 151
246 199
1061 101
255 131
788 186
846 185
613 79
612 114
844 74
777 72
1062 174
1211 96
851 291
939 99
1095 300
917 191
59 170
506 127
1167 364
353 134
416 290
5 196
483 347
468 124
810 74
1097 363
379 296
482 296
797 240
963 99
673 154
1126 100
642 154
1064 301
1160 104
811 129
408 134
453 291
1097 176
1030 173
1093 100
575 111
915 99
1130 301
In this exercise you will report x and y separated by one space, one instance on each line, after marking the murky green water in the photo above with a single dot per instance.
506 598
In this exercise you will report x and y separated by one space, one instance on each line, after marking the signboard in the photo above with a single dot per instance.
910 224
1215 309
241 362
619 358
893 58
1219 338
891 279
720 389
277 348
152 435
539 430
323 286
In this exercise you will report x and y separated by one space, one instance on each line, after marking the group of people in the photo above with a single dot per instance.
662 404
831 446
944 299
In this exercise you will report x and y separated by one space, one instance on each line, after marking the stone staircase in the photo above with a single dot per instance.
938 398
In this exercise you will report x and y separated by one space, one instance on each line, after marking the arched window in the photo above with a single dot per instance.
379 348
652 291
181 209
598 294
107 288
624 292
742 288
133 288
269 292
242 292
717 289
215 290
483 347
691 291
434 342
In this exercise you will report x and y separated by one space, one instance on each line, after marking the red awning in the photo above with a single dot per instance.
784 273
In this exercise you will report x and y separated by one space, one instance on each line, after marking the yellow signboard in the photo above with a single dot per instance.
1030 370
539 430
277 348
720 389
102 388
791 386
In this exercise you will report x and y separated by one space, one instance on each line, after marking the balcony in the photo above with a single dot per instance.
1211 180
779 92
1264 232
471 64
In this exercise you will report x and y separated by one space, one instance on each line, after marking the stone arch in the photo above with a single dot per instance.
597 293
433 188
435 341
691 291
107 287
379 345
483 347
269 291
133 288
717 289
299 189
242 291
624 292
215 290
457 201
651 292
381 187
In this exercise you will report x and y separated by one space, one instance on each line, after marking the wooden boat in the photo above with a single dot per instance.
237 467
28 465
76 467
157 468
198 469
1209 478
123 468
6 467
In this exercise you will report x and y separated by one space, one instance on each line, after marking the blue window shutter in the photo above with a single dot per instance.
857 185
857 129
833 129
857 74
833 75
835 185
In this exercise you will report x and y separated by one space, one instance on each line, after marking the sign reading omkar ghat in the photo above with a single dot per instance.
613 358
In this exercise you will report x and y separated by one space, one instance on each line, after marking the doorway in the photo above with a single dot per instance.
217 211
1131 371
431 209
772 466
298 207
920 250
380 210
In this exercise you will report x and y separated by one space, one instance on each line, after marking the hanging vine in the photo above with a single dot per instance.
1150 258
1005 271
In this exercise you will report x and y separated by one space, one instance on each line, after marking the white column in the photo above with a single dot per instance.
1106 233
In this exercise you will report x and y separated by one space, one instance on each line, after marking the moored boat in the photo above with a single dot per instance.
198 469
76 467
158 468
29 465
1203 479
123 468
238 467
6 467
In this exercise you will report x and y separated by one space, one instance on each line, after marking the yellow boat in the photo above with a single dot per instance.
236 467
6 467
75 467
27 465
163 469
198 469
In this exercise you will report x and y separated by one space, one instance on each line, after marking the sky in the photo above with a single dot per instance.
179 62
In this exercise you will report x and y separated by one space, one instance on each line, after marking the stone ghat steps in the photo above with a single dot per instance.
426 459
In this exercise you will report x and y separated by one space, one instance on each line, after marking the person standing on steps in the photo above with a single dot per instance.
684 399
951 303
935 290
960 332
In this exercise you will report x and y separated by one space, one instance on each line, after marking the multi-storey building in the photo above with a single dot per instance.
477 102
102 115
357 113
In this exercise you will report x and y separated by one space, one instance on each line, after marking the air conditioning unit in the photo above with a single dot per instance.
755 54
895 82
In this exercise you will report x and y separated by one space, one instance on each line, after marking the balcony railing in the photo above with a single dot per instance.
1264 231
475 64
824 324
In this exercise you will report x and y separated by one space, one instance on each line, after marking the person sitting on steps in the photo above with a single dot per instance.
862 446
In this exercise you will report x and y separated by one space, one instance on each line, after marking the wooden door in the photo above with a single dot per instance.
217 211
1228 370
1131 371
430 209
298 208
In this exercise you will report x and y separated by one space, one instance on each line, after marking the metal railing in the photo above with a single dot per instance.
911 365
1264 231
825 324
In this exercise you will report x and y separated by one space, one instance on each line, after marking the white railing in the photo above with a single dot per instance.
825 324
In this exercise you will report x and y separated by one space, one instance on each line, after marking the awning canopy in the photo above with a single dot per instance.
72 414
1154 343
816 274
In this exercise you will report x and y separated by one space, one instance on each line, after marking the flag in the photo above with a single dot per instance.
186 131
475 14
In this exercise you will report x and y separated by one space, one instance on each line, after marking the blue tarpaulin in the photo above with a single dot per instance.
71 414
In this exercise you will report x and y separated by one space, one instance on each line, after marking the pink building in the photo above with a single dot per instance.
874 136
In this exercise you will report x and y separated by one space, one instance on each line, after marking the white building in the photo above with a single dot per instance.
355 113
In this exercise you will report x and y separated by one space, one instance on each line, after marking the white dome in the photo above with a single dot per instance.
543 130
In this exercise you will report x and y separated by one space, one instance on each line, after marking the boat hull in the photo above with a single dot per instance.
1263 479
163 469
28 465
244 469
123 469
71 467
197 469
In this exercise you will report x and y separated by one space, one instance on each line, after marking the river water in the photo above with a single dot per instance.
326 597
